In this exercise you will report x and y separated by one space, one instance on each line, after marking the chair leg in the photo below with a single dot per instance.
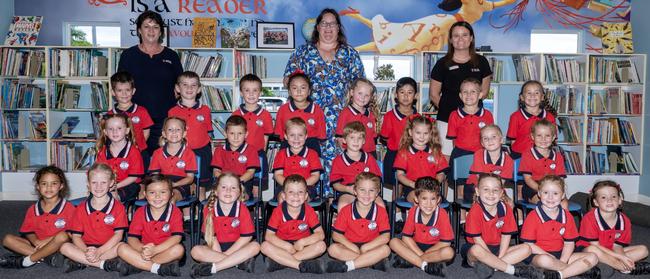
456 210
192 231
393 218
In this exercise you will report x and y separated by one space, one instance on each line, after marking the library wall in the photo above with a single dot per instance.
6 12
642 45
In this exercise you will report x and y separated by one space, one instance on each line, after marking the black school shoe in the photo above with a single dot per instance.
483 271
111 265
336 266
70 265
11 261
310 266
201 270
399 262
528 271
437 269
170 269
127 269
271 265
551 274
592 273
248 265
381 265
606 271
54 260
641 268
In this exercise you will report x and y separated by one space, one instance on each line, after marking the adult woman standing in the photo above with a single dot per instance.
460 62
154 69
331 64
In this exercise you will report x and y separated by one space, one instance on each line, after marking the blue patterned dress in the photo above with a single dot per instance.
329 83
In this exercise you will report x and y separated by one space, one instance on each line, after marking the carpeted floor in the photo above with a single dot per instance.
13 212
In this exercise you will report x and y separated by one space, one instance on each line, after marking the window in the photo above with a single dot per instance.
555 41
104 34
388 67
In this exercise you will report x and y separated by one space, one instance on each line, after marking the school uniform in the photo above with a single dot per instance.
47 224
303 163
482 164
367 118
465 129
392 128
419 163
259 124
536 165
345 169
127 163
594 228
480 223
425 235
313 116
289 229
145 227
549 234
140 120
175 166
361 229
97 226
228 227
237 161
519 129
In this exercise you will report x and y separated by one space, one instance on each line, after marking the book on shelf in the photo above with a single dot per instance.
249 63
22 94
73 156
611 131
497 69
385 99
204 32
17 156
612 70
563 70
219 125
78 63
67 96
66 129
525 67
23 31
218 99
204 66
429 61
38 125
565 99
571 128
99 95
614 100
17 125
22 62
429 108
572 161
614 160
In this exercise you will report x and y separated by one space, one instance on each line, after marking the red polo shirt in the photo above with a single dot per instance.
128 163
199 123
235 161
345 170
289 229
312 114
175 165
360 229
465 129
151 230
535 164
304 163
367 118
483 164
594 228
258 124
47 224
519 128
140 120
549 234
480 223
392 128
420 163
96 226
230 227
437 229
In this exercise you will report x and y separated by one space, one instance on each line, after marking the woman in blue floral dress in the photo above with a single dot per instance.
331 64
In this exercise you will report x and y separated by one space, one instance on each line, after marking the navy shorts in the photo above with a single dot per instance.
205 153
556 254
225 246
423 246
185 191
129 192
464 250
527 193
389 172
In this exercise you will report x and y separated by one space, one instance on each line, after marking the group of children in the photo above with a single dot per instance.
92 234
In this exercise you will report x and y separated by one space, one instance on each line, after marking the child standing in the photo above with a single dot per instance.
489 160
419 154
488 227
175 159
361 231
607 232
98 225
394 122
551 233
123 89
427 234
300 105
199 123
237 156
228 229
116 148
362 107
352 162
45 222
155 234
294 236
531 109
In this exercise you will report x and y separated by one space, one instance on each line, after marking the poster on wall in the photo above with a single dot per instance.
204 32
235 33
617 38
23 31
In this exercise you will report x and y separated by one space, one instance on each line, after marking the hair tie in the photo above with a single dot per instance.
297 72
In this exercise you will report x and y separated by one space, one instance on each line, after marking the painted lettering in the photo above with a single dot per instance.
214 7
416 30
217 6
259 6
182 5
230 6
244 7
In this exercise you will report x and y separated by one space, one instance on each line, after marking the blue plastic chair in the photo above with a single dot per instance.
461 167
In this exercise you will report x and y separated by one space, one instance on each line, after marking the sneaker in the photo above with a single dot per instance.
399 262
335 266
606 271
200 270
186 226
551 274
11 261
310 266
641 268
437 269
483 271
54 260
248 265
127 269
527 271
381 265
399 225
271 265
592 273
170 269
70 266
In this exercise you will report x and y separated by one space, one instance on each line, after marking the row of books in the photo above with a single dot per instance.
16 156
572 162
204 66
612 70
249 63
614 100
219 125
17 125
610 131
565 99
525 68
22 62
78 63
563 70
571 129
73 156
67 96
429 60
385 99
67 129
22 94
497 69
611 162
218 99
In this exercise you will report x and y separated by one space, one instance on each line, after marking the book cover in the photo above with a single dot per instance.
204 32
235 33
23 31
617 37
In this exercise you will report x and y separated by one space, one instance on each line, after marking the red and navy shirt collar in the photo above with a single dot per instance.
107 208
287 217
432 221
242 109
308 109
414 150
123 153
131 109
196 106
240 149
349 161
356 112
527 115
178 154
488 160
302 153
561 216
372 213
56 210
462 113
401 116
165 216
602 224
501 211
234 210
538 156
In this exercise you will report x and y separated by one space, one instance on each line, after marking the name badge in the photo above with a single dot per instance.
242 159
59 223
109 219
304 163
302 227
180 164
259 122
434 232
135 119
372 226
165 227
124 165
454 67
235 223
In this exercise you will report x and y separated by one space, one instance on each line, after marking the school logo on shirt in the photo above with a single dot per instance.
235 223
259 122
311 121
499 223
366 169
59 223
434 232
497 172
369 124
135 119
124 165
481 124
552 166
562 231
431 159
180 164
200 118
109 219
165 227
617 235
304 163
302 227
372 226
242 159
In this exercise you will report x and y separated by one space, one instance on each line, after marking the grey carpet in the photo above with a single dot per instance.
13 212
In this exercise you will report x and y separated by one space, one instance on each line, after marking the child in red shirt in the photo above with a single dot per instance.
45 223
427 234
419 154
465 123
607 232
361 231
294 236
362 107
228 230
98 225
531 109
155 234
551 233
116 148
199 123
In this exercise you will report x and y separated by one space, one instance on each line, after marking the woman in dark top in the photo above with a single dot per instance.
155 69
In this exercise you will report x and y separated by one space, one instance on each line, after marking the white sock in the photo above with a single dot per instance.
154 268
424 265
213 270
350 265
510 269
186 218
101 264
561 276
27 262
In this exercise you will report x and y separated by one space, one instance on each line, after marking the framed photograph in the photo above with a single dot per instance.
275 35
